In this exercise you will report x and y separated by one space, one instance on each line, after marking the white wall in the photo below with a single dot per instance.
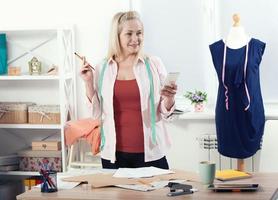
179 33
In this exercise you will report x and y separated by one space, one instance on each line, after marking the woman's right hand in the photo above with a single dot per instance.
86 72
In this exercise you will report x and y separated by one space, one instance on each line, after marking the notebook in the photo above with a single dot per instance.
234 187
230 174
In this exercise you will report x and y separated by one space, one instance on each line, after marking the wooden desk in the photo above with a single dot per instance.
268 183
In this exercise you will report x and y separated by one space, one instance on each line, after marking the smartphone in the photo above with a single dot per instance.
172 77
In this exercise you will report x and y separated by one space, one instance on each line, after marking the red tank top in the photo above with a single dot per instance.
127 116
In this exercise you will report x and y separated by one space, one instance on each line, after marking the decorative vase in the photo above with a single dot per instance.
199 107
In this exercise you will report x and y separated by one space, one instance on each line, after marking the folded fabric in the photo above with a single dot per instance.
84 128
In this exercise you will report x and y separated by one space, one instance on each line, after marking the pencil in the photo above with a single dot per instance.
145 183
81 58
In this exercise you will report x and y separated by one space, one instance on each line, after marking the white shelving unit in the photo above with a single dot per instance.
31 126
52 46
20 173
29 77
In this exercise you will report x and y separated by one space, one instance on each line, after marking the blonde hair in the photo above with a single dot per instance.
114 48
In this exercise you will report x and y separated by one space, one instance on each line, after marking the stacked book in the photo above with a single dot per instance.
9 163
230 174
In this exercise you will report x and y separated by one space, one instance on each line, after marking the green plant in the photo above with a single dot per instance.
196 97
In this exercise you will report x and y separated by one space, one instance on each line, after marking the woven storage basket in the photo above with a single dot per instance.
44 114
14 112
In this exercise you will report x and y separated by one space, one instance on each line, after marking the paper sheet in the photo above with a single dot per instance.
65 185
141 172
149 187
107 179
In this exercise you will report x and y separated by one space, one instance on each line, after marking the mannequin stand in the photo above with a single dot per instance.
240 164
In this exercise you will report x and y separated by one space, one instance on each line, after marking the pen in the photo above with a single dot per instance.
145 183
81 58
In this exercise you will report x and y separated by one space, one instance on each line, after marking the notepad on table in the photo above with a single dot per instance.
236 187
230 174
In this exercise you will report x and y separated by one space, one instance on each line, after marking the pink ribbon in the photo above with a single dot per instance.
245 72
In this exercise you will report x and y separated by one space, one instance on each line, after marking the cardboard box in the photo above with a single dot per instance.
46 145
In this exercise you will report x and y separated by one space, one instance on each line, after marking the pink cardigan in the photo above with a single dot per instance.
152 152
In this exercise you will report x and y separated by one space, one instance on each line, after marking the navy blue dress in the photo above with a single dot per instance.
239 113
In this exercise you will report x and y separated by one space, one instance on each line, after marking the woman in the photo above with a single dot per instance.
125 92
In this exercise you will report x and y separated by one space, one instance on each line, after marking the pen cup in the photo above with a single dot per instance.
49 181
207 172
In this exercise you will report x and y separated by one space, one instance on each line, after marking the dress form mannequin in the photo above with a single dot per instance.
237 36
239 110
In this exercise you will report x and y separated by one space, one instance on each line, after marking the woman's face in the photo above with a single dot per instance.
131 36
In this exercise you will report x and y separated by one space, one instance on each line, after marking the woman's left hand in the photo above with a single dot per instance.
168 93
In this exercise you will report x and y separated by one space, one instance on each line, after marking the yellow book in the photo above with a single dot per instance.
32 182
231 174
